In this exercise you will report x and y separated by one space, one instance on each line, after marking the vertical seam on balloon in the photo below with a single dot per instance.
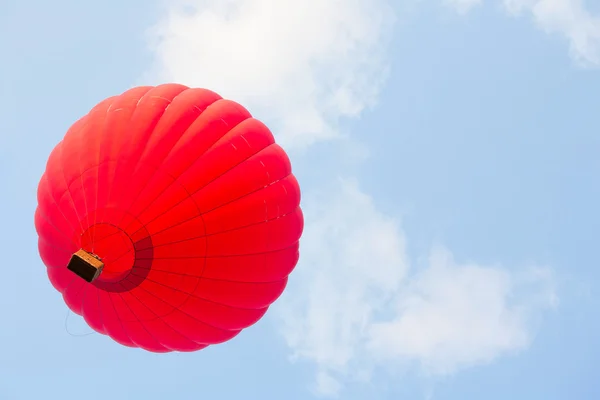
84 292
156 169
75 295
267 225
54 247
50 193
110 158
192 123
118 317
62 168
119 151
96 183
60 163
45 218
158 317
158 342
132 160
82 146
128 140
100 313
86 170
195 107
85 203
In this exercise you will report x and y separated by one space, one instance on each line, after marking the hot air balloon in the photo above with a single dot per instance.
169 218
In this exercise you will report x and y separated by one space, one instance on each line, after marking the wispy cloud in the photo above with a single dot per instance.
451 315
302 65
358 306
463 6
567 18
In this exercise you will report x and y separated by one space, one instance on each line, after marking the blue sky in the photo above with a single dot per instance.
447 153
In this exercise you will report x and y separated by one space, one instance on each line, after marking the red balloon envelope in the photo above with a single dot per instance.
169 218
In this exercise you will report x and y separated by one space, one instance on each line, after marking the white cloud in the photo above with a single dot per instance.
326 385
301 65
568 18
350 253
452 316
463 6
353 306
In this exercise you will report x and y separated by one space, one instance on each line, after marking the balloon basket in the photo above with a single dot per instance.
86 265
